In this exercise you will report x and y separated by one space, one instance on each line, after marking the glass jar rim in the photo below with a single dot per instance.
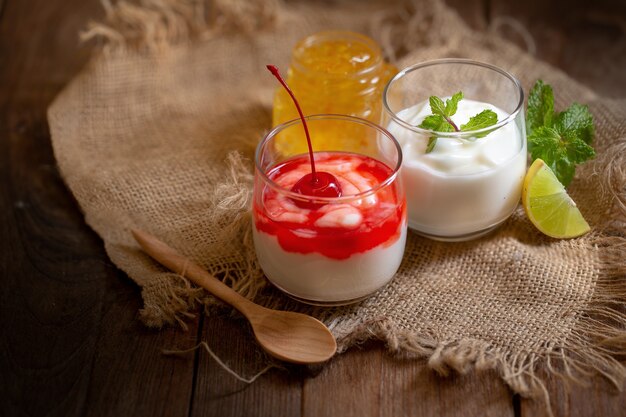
343 199
341 34
457 135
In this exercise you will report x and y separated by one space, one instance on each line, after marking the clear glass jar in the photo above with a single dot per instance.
330 250
471 181
333 72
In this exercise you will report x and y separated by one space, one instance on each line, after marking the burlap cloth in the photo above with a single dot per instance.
158 132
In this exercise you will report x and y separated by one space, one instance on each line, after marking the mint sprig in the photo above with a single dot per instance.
562 139
441 119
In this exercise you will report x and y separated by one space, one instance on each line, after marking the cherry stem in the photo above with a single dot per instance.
276 74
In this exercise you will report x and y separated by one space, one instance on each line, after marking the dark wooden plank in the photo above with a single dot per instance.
73 344
586 41
412 389
40 49
368 381
70 342
217 393
52 287
130 374
349 385
597 399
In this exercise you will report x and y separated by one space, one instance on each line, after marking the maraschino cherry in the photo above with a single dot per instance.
314 184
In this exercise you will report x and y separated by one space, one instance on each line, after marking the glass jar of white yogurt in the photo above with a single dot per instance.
471 181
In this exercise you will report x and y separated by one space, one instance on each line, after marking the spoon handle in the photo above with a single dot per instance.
176 262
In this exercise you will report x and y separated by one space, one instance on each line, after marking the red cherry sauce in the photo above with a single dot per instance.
334 230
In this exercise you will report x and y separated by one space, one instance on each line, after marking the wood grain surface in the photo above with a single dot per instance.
70 340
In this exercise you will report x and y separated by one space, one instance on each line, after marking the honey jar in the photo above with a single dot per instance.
333 72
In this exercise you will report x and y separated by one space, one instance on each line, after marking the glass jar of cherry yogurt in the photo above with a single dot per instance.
470 181
330 250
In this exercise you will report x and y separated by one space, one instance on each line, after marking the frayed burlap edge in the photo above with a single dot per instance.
593 343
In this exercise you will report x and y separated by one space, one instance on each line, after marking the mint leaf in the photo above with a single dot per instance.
452 104
436 123
560 152
540 106
576 120
437 106
546 145
432 141
482 120
566 171
577 150
563 139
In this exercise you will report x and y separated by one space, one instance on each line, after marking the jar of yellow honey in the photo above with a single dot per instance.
336 72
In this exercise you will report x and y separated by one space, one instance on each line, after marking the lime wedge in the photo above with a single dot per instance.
548 206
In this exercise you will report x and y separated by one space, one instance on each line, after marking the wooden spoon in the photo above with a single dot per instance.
288 336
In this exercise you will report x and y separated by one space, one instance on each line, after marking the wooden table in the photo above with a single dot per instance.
71 342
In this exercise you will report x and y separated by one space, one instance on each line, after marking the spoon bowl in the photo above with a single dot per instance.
293 337
288 336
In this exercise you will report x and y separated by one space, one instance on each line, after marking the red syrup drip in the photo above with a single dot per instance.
314 184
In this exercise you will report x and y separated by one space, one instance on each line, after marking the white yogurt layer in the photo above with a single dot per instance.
463 186
315 277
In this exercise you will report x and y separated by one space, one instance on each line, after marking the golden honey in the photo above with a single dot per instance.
334 72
